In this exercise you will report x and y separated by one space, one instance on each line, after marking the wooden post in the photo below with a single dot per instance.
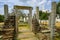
5 11
53 18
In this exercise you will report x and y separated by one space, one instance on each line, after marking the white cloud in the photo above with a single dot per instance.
10 3
33 3
24 1
49 2
45 5
42 2
2 10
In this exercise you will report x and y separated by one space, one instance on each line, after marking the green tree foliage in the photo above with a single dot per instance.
1 18
58 8
43 15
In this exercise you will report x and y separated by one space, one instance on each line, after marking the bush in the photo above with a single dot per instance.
1 18
43 15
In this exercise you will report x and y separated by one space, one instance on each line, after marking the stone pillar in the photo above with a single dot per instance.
49 21
53 18
5 11
37 13
30 18
34 16
16 23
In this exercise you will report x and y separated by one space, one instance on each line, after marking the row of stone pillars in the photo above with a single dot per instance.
16 17
30 14
51 20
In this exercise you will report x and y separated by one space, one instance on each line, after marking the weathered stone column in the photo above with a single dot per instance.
53 18
16 23
5 11
49 23
37 13
30 18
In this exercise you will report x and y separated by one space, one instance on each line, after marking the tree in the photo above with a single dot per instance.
1 18
40 13
43 15
58 9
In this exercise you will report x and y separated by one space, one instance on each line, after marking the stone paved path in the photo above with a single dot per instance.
26 34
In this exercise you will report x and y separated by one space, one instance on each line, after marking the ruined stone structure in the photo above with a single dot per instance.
35 26
16 7
9 28
9 25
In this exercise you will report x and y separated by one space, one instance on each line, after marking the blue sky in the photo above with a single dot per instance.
42 4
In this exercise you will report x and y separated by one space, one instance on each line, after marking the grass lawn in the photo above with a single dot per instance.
1 24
